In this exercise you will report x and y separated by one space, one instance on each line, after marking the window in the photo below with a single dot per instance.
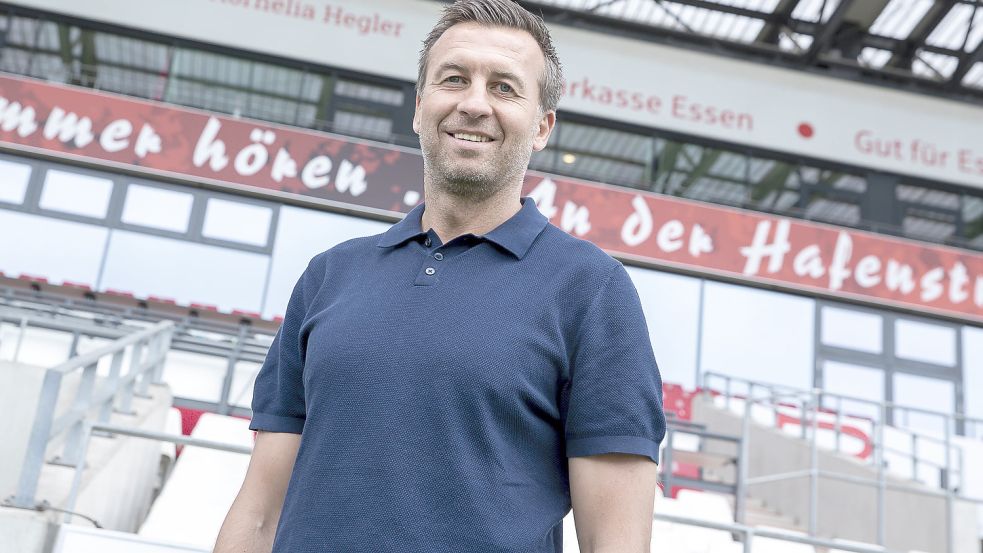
928 214
14 178
866 383
852 329
157 208
130 66
362 124
370 92
76 194
243 87
972 220
237 222
925 342
597 153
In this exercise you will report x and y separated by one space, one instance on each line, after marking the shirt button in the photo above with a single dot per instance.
438 256
430 271
426 242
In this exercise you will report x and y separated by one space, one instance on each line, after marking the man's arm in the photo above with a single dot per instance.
251 523
613 498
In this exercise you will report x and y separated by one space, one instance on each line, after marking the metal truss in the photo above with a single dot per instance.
928 46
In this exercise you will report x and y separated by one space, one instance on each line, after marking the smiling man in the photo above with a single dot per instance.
458 382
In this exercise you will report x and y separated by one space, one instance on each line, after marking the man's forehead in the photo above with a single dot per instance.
466 43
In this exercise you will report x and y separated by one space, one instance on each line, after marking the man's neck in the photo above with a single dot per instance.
452 216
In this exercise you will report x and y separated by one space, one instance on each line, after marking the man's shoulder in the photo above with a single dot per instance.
576 253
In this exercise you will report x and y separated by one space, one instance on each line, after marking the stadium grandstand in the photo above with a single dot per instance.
795 188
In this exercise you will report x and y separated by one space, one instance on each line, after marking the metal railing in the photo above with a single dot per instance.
949 420
244 342
149 346
811 408
115 392
117 430
669 480
747 532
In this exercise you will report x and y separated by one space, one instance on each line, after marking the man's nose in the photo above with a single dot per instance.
475 101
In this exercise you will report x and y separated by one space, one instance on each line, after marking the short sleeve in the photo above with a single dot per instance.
278 394
615 390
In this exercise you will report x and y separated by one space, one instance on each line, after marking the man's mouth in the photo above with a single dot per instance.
470 137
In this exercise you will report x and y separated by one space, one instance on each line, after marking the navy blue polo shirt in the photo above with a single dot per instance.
439 388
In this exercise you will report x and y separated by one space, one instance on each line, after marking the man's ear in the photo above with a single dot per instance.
416 115
546 124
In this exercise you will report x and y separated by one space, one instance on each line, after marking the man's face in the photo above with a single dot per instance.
478 112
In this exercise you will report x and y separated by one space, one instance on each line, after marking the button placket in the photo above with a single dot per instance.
438 256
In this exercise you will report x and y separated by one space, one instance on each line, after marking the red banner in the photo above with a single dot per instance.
164 139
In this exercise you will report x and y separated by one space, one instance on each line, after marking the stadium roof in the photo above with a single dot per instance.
930 46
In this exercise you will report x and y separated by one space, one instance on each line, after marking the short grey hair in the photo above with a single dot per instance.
501 13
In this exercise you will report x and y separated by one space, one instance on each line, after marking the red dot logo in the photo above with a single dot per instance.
806 130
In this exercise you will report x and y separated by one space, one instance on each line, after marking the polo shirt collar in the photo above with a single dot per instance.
515 235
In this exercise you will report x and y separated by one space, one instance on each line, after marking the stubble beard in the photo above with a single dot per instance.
469 180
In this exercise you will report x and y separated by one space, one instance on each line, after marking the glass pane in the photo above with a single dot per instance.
758 335
158 208
703 173
131 52
866 383
928 214
597 153
14 178
928 225
76 194
851 329
204 96
370 92
926 342
271 109
972 214
926 393
22 32
282 81
312 86
131 82
237 222
14 60
362 124
130 66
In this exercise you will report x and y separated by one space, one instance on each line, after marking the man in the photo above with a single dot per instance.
454 384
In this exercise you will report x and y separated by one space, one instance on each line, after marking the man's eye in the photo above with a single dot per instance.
504 87
453 79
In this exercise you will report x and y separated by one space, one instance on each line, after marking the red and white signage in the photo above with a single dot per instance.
611 77
320 168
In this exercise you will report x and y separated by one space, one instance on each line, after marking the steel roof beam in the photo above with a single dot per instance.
826 32
761 52
967 60
773 29
724 8
905 53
